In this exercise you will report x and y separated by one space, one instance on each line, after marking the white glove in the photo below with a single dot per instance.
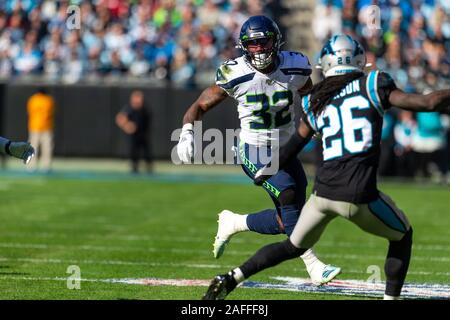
186 146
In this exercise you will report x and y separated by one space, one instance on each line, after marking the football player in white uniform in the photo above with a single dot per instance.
21 150
265 82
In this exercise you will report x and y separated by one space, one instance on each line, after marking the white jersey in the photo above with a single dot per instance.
265 101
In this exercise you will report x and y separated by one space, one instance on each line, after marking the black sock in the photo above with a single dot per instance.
270 256
397 263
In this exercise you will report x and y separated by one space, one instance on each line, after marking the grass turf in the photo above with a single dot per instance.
143 228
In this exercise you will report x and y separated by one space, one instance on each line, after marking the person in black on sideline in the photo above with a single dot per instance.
134 120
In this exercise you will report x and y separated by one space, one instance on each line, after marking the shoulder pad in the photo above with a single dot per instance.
295 63
233 72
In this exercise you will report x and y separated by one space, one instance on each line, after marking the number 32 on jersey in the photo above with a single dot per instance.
264 115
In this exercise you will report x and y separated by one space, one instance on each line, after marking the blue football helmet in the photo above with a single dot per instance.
259 30
341 54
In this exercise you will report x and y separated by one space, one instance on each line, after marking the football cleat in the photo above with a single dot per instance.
323 274
220 287
229 224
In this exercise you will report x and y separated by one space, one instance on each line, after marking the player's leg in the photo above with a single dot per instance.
267 221
307 230
384 219
286 189
318 271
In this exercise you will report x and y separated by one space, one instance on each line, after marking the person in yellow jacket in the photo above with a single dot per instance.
41 109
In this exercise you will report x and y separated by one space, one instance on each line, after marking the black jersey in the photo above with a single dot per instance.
351 133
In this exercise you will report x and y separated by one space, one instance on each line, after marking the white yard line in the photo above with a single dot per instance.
336 287
190 251
115 262
177 265
443 246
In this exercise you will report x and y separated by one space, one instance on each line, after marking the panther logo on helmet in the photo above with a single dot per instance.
341 54
260 39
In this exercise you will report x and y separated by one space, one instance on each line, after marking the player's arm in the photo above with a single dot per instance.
290 150
208 99
296 143
435 101
21 150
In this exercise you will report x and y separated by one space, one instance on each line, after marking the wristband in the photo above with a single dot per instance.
187 127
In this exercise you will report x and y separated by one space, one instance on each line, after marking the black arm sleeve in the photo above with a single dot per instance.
294 145
385 85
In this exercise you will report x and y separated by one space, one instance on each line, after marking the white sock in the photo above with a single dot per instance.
238 275
241 222
387 297
311 261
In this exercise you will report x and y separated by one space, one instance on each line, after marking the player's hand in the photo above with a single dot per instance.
261 176
22 150
186 146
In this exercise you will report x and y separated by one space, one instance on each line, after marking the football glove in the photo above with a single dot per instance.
186 145
20 150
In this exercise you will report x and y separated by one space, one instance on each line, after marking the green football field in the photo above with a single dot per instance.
162 227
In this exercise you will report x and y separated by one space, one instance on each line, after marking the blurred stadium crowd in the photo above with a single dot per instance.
185 40
161 39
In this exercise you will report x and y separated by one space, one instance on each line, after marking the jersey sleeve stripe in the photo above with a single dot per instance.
308 113
371 88
231 84
299 71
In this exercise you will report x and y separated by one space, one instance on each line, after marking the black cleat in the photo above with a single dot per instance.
220 287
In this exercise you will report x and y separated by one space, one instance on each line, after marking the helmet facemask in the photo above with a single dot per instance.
261 51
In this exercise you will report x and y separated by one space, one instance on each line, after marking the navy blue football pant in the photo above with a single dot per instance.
286 188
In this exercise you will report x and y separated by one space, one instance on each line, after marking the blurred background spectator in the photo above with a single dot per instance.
41 110
135 121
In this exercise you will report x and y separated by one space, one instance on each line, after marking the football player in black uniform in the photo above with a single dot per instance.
347 109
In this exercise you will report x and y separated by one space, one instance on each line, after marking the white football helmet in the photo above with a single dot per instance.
341 54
